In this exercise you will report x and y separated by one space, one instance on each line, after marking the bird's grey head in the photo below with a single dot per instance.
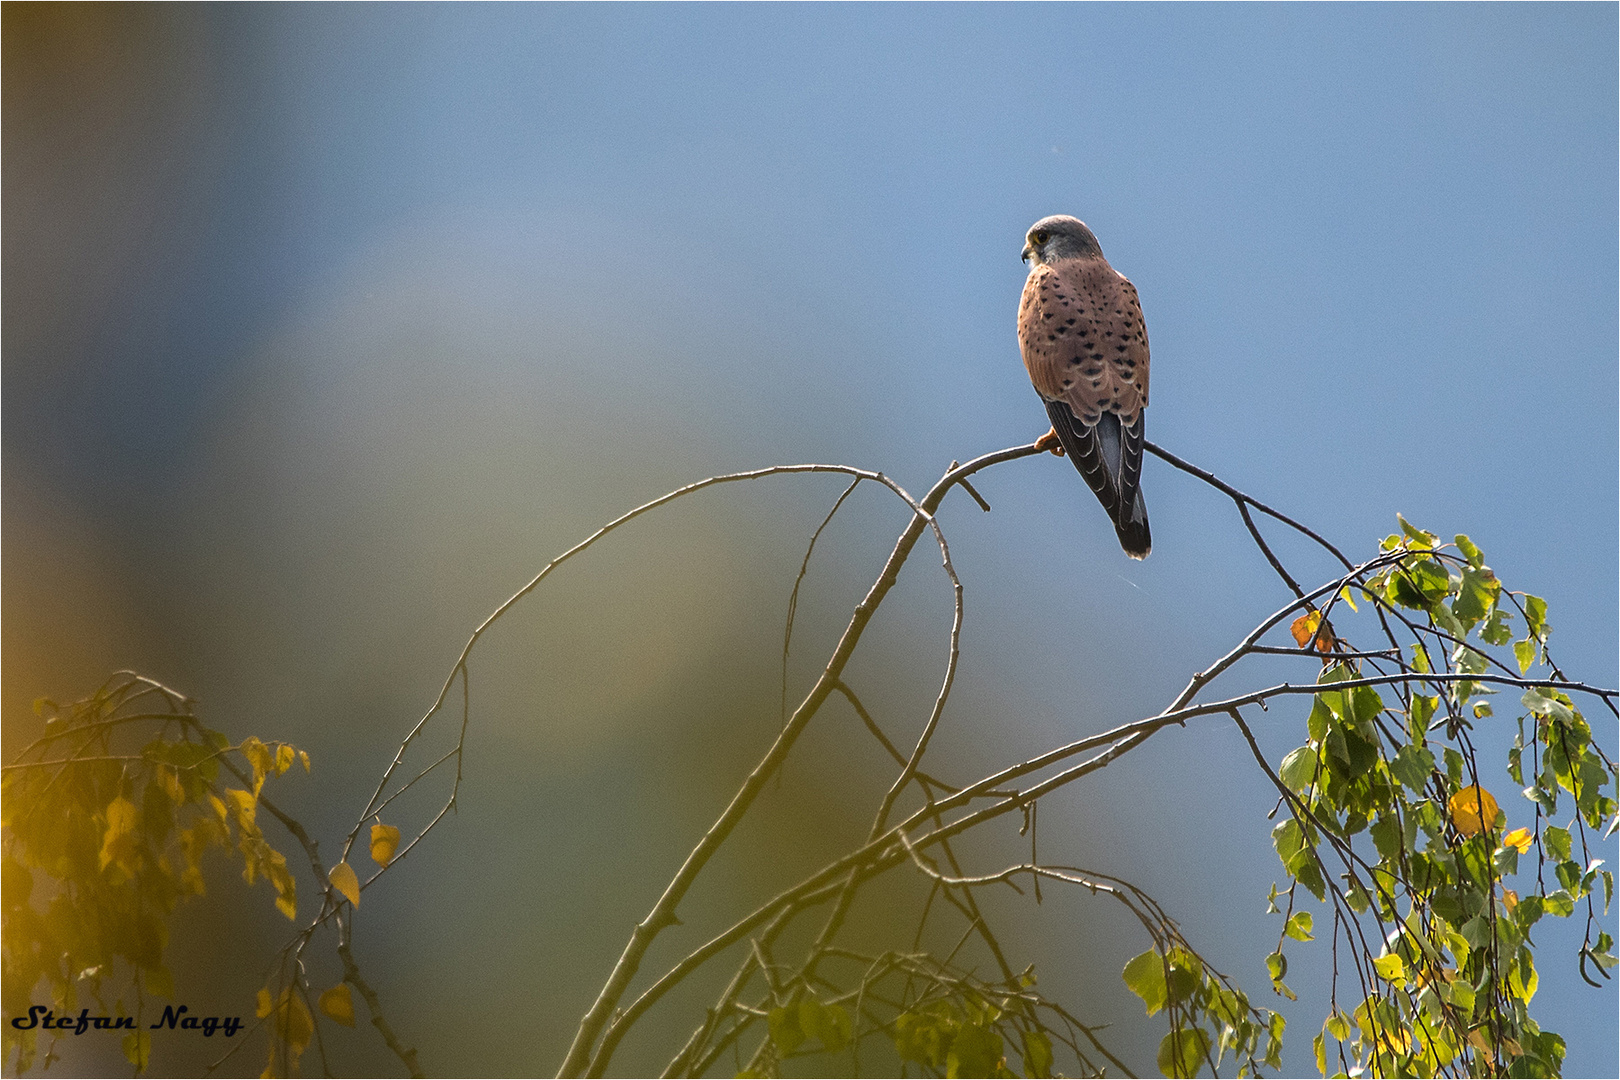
1059 237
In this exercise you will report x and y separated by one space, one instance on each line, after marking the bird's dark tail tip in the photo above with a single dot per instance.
1134 535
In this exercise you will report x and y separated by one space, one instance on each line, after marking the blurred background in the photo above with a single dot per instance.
326 327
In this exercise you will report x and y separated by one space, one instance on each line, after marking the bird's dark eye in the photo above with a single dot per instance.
1041 236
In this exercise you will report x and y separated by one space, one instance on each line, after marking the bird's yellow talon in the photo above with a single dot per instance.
1049 442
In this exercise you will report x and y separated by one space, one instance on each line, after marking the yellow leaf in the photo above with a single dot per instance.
291 1024
245 805
300 1026
138 1049
160 981
284 757
259 757
1518 838
273 864
344 881
1391 967
119 843
303 758
338 1004
1473 810
122 816
1394 1040
169 779
1510 900
219 808
384 842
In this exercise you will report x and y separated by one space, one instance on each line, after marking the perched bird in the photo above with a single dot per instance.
1085 346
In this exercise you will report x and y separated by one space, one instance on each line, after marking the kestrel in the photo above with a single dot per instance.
1085 346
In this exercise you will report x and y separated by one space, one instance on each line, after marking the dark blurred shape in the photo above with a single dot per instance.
103 114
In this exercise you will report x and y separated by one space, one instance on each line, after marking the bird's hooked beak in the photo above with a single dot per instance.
1026 253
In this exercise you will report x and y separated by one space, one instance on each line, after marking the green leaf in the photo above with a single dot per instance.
975 1051
1417 535
1288 839
1037 1054
1496 630
1544 702
1320 719
810 1017
917 1037
1350 755
1461 994
1412 766
1144 975
1386 836
1528 912
1454 766
1523 979
1569 875
1182 1053
1277 965
1298 769
1525 653
1365 704
1535 616
1274 1035
1299 926
835 1029
1476 931
1476 597
1420 659
1475 557
785 1030
1558 842
1184 976
1307 873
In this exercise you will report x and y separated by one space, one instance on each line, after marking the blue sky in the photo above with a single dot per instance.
314 312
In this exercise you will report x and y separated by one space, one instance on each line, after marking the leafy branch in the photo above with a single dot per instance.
1438 945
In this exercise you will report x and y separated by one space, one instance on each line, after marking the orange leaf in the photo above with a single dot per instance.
1473 810
344 881
1311 625
1304 627
384 842
1519 839
338 1003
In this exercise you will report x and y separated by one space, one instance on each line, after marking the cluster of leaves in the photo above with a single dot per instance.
962 1036
1209 1016
1389 792
935 1017
288 1020
100 846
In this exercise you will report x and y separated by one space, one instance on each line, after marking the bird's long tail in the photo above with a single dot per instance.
1108 455
1133 532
